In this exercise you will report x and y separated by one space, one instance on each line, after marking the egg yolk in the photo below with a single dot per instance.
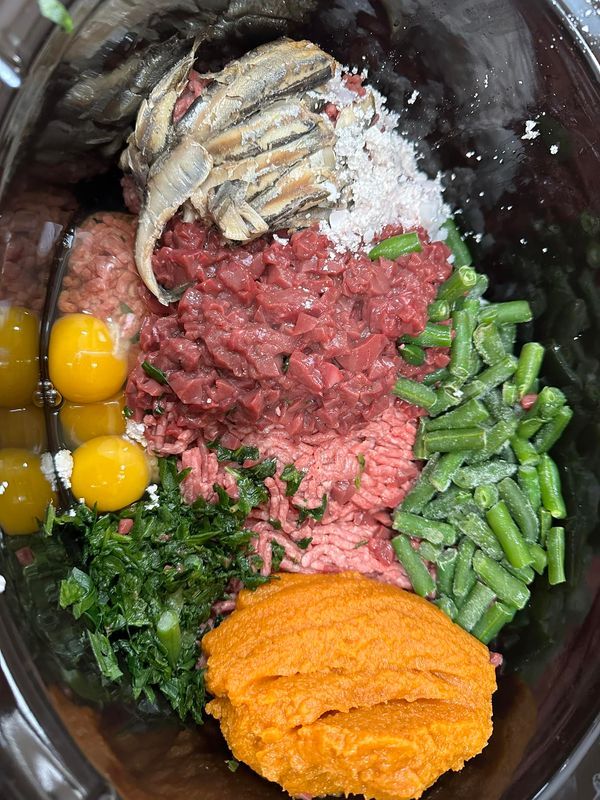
23 427
19 341
24 491
83 421
109 472
84 364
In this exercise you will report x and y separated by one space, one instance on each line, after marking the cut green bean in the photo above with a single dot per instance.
439 311
417 572
468 415
508 334
452 500
435 377
433 335
475 364
479 599
524 451
464 577
549 401
446 469
550 487
486 496
556 556
520 509
540 559
508 534
447 605
509 393
422 491
529 482
488 343
529 426
414 393
504 585
413 354
495 405
491 623
553 430
446 565
490 378
396 246
530 363
447 396
525 574
490 472
545 524
419 451
514 311
497 437
481 286
458 284
451 441
482 535
460 251
429 551
432 530
462 345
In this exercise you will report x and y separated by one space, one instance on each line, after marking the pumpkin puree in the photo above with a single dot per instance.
338 684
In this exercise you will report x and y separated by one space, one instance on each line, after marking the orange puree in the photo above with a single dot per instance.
337 684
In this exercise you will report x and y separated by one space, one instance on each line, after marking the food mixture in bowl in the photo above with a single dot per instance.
303 461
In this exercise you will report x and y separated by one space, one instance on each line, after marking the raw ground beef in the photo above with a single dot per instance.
286 346
102 278
31 223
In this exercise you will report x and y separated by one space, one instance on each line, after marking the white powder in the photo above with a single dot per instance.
2 584
413 98
134 431
530 130
48 469
385 185
553 149
63 461
152 492
3 487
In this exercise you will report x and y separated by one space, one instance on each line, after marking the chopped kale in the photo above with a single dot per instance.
154 372
314 513
241 454
292 478
303 543
277 555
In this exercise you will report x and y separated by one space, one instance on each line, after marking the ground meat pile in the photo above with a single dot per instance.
287 346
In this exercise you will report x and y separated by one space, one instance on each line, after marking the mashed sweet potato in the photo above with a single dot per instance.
338 684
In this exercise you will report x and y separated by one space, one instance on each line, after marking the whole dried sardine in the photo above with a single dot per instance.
180 173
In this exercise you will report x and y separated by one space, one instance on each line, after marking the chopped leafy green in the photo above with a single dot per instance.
128 412
361 468
57 13
154 372
362 543
232 765
241 454
303 543
292 478
275 523
277 555
315 513
144 596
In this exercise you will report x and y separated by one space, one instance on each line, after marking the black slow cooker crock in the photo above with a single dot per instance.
476 73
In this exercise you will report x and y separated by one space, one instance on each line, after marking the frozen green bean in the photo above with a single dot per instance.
479 599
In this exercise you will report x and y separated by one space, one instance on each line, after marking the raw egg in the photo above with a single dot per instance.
24 491
83 421
19 341
23 427
109 472
85 364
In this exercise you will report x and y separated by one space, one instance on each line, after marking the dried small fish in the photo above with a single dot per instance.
249 153
169 186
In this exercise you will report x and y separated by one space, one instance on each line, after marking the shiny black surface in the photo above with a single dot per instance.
482 68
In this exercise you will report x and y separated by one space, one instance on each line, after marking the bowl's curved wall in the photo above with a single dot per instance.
468 75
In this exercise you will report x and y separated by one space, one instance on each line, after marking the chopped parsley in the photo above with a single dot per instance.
232 765
292 478
303 543
361 468
144 595
154 372
314 513
128 412
241 454
277 555
275 523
